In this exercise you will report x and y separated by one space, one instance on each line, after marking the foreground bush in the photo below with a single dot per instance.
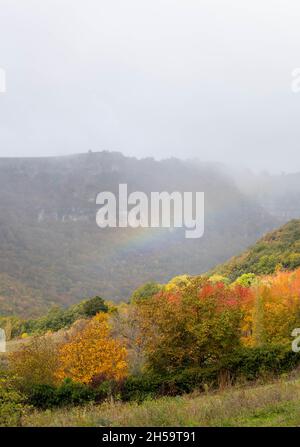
68 394
35 362
247 364
244 363
11 403
275 404
252 363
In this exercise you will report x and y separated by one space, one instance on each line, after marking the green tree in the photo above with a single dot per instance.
93 306
246 280
145 292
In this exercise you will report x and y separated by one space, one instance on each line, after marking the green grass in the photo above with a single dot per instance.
276 404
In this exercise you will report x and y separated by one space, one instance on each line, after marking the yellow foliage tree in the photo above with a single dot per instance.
92 353
35 362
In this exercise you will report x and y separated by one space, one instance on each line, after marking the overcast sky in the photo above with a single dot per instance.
186 78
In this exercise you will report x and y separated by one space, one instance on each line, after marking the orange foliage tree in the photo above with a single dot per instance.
276 310
93 353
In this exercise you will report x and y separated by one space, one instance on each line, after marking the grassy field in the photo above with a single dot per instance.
276 404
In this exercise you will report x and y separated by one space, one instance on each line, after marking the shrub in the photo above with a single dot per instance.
251 363
42 396
141 387
247 363
35 362
11 408
108 389
68 393
11 404
71 393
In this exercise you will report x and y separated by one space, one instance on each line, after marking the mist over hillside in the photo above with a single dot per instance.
279 194
52 252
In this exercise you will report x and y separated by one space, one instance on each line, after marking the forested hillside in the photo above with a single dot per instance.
277 250
51 250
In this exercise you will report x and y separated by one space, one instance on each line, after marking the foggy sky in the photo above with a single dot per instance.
186 78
